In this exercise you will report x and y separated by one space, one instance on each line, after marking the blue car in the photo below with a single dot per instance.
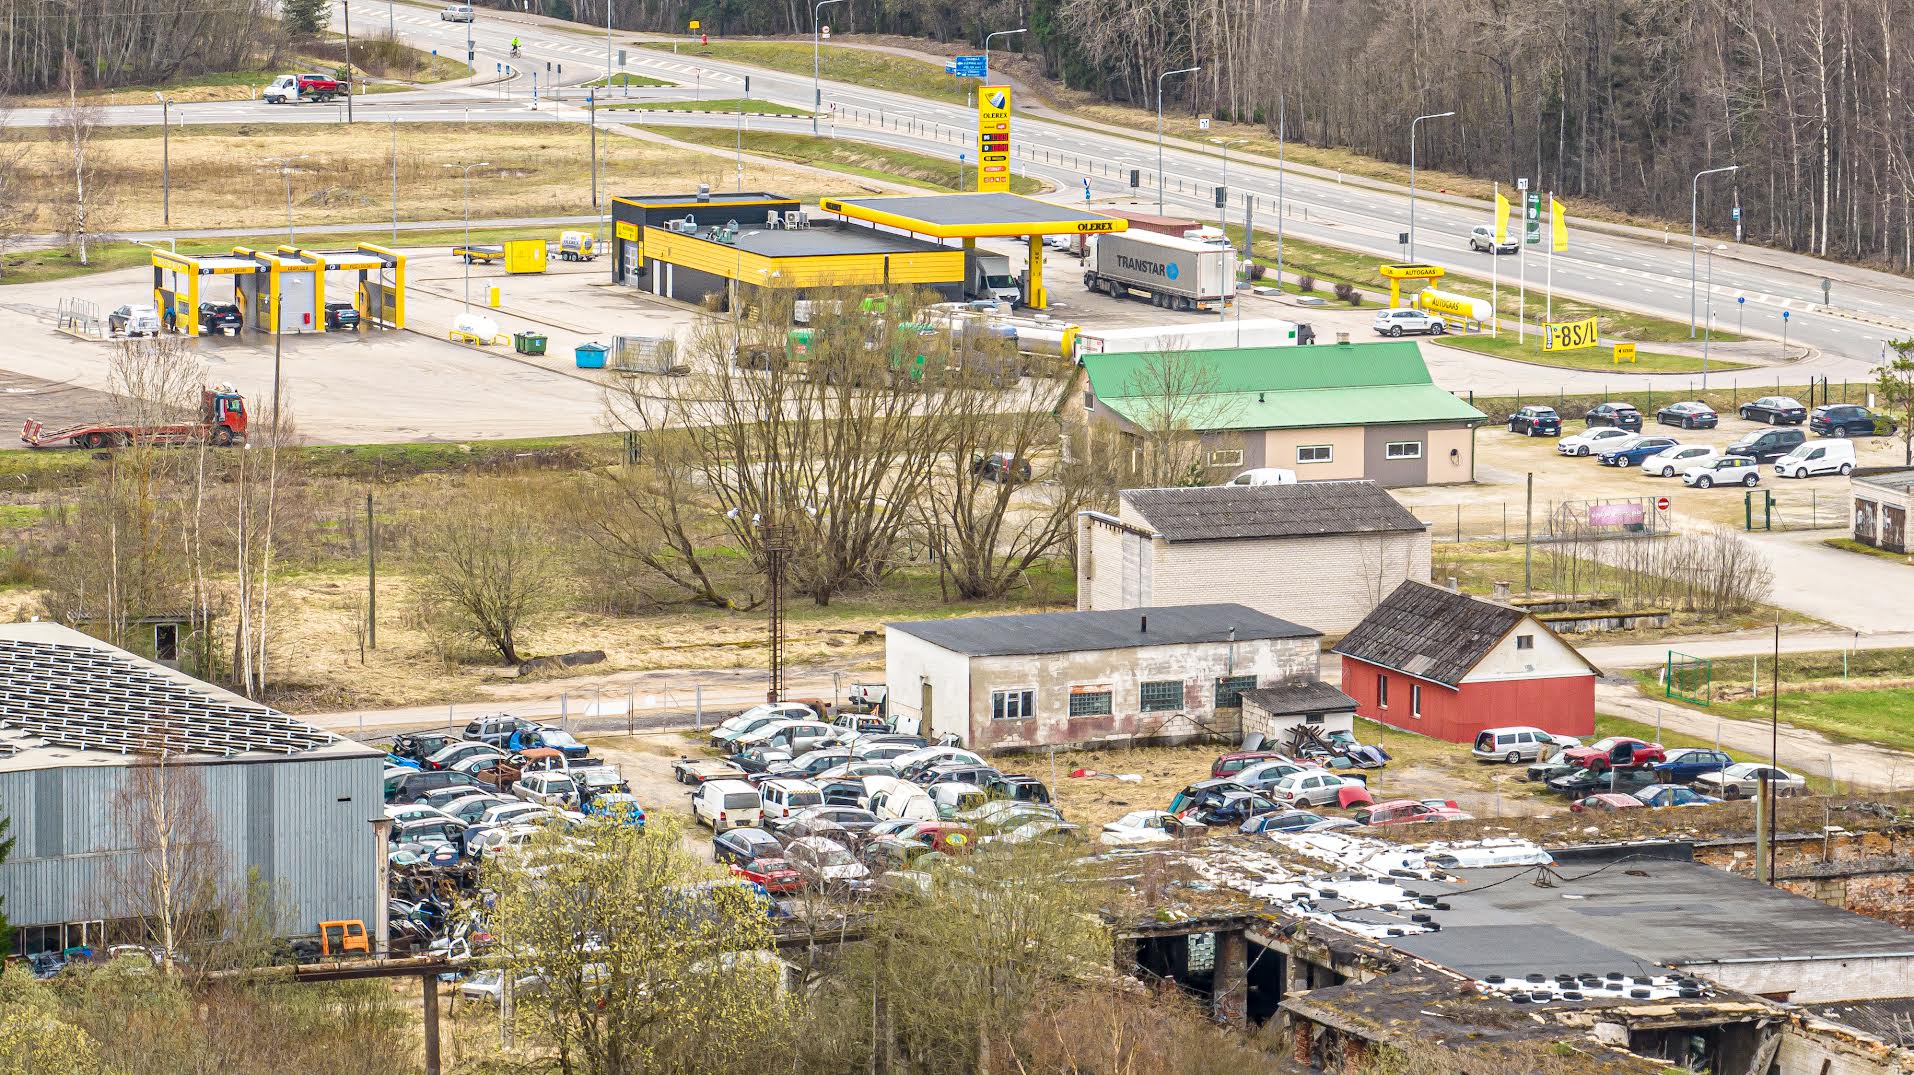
1286 821
1687 763
403 763
522 741
617 806
1659 795
1631 452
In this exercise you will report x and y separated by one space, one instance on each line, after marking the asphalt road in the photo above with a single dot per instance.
1623 267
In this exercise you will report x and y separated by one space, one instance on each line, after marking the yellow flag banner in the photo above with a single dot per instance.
1558 226
1570 335
1501 218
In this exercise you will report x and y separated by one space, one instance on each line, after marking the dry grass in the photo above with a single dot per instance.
221 177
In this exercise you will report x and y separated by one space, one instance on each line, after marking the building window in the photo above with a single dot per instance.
1013 705
1524 641
166 642
1089 400
1090 701
1402 449
1415 700
1226 457
1312 718
1315 453
1161 694
1382 690
1229 690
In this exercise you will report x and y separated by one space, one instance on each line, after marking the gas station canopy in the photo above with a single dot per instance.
973 216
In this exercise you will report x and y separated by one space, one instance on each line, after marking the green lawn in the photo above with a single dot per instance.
752 105
851 158
625 79
863 67
1878 708
1606 726
1594 358
1851 545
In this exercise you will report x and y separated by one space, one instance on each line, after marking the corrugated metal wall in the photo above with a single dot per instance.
303 823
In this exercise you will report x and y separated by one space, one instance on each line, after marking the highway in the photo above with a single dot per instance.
1646 273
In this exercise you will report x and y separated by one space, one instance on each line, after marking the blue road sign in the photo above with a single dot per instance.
1737 215
971 67
1784 315
950 69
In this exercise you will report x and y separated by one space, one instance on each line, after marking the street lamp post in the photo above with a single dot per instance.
1159 129
997 33
817 94
1694 207
285 172
1222 211
608 44
1708 334
1412 176
348 8
467 169
166 161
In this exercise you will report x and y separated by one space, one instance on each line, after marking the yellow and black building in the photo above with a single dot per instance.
690 246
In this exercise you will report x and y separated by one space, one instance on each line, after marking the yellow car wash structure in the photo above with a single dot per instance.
282 290
985 215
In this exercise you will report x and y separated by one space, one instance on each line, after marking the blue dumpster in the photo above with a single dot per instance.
590 356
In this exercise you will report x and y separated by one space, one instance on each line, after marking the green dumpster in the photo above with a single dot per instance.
528 343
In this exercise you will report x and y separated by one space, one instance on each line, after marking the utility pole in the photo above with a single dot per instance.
348 7
166 161
1694 211
1159 129
817 93
1528 540
372 579
1774 745
591 104
395 178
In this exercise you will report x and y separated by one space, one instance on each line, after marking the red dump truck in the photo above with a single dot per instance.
222 421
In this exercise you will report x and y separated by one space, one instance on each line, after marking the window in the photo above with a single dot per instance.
1524 641
1226 457
1161 694
1013 705
1415 700
166 642
1090 701
1402 449
1312 718
1382 690
1315 453
1229 690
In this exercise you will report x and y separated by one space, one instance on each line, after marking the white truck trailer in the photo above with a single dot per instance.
1199 336
1174 273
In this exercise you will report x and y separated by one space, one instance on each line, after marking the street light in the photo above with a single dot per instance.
1412 177
467 169
817 95
348 6
1159 129
285 172
1226 143
166 161
1694 206
608 44
1709 333
998 33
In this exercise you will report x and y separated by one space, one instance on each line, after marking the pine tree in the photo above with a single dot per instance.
305 18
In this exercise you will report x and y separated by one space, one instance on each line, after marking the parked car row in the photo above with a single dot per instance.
1608 439
1622 766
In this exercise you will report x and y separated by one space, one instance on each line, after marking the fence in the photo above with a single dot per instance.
81 317
1764 510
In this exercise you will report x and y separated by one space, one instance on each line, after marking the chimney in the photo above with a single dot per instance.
1259 397
1455 586
1144 627
1502 592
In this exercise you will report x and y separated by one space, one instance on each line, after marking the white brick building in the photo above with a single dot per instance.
1321 553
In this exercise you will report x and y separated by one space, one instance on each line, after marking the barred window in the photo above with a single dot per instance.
1229 690
1094 703
1162 694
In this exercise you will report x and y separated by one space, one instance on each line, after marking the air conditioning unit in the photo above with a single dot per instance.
772 221
793 218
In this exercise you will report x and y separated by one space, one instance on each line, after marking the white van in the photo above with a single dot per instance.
1816 457
1264 476
1516 745
727 804
904 800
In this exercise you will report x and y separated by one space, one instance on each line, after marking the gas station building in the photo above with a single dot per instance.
288 282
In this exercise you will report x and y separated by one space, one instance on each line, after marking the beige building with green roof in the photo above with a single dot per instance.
1364 410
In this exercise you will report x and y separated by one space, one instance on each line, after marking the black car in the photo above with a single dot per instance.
1583 782
341 317
744 845
1001 467
1545 771
1845 420
407 787
220 317
1775 410
1027 789
1619 415
421 745
1767 445
1688 414
1536 422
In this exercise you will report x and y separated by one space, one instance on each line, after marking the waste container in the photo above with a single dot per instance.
528 343
590 356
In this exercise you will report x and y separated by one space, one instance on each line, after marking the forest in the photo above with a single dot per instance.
117 43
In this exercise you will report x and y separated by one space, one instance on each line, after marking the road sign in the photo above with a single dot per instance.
1784 315
1522 183
1202 123
1086 192
993 138
824 32
971 67
1736 213
1661 503
1826 284
1531 217
694 24
1624 352
1570 335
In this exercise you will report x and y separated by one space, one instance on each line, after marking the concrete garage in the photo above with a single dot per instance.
1056 678
1882 501
82 725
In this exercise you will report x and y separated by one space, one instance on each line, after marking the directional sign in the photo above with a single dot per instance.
1624 352
971 67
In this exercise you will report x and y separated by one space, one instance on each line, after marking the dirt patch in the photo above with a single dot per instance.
645 762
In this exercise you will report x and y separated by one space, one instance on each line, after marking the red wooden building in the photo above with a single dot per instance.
1444 664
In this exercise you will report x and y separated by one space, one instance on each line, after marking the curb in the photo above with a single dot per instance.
704 112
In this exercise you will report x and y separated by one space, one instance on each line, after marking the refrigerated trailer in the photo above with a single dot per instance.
1172 272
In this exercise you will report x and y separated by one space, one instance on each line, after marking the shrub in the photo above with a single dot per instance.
1348 293
1306 284
1257 270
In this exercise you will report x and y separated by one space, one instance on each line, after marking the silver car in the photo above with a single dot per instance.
1482 237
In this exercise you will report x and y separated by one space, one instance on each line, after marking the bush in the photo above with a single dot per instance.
1306 284
1257 270
1348 293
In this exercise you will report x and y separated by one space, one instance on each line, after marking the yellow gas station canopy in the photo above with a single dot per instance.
973 216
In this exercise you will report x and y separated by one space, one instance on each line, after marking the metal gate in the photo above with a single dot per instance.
1598 520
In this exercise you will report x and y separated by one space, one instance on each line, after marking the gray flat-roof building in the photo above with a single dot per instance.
83 726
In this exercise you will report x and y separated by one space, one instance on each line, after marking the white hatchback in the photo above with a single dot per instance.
1679 458
1592 442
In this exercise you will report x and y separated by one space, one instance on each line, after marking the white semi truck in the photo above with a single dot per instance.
1174 273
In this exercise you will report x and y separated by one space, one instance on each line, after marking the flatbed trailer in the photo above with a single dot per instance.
479 252
222 421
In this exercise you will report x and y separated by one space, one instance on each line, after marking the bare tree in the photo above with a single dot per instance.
654 519
1894 384
1173 398
75 125
170 878
491 557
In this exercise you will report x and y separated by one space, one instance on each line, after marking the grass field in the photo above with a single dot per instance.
625 79
390 65
851 158
1595 358
722 104
1851 545
1872 703
863 67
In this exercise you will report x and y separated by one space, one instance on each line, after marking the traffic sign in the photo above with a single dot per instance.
694 24
1086 191
1522 183
971 67
1203 123
824 32
1661 503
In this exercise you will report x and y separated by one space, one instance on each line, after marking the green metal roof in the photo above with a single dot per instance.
1281 387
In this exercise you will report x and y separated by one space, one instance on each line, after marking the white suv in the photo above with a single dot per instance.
1397 322
1727 470
458 13
1482 237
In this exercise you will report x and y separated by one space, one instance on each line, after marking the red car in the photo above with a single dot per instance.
1619 751
1231 764
776 875
1408 811
1605 803
949 837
